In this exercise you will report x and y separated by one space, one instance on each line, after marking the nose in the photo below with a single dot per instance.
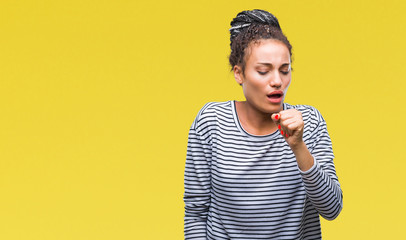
276 80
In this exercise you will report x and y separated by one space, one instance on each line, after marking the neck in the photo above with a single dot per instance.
255 121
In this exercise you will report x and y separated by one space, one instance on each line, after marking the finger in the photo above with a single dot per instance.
276 117
283 119
284 133
284 130
286 114
287 126
293 127
288 117
278 120
285 122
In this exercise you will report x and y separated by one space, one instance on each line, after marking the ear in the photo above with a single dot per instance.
238 74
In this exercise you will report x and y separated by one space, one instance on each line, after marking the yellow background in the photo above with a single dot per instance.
97 97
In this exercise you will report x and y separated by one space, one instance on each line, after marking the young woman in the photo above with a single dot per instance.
261 168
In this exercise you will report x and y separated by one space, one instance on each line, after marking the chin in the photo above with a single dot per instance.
266 107
274 108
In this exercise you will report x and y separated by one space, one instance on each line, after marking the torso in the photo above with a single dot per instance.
257 189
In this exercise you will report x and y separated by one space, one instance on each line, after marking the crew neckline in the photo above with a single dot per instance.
246 133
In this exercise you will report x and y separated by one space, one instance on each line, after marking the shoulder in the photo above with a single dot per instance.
210 112
314 124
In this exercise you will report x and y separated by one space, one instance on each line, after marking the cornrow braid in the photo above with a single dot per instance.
246 18
252 26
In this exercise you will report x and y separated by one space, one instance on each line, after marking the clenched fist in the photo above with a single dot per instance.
290 124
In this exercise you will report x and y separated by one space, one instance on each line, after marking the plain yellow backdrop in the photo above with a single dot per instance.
97 97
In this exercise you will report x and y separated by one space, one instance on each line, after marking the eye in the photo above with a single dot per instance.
285 72
262 73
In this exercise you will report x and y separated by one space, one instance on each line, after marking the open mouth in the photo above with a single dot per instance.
275 96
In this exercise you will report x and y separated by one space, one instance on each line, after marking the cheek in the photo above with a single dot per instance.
258 83
251 89
287 83
250 84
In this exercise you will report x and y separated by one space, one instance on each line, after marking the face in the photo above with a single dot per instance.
267 75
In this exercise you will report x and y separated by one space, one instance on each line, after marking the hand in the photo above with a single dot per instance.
290 124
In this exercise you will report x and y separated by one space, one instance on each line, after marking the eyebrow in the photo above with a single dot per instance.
270 64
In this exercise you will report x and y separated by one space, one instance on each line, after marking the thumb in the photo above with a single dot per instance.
276 117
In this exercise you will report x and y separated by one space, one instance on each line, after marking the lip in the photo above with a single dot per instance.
275 96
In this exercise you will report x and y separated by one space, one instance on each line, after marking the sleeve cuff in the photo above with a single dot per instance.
309 171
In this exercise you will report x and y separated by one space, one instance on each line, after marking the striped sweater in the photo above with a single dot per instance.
244 186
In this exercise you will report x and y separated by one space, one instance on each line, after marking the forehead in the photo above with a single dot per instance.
268 50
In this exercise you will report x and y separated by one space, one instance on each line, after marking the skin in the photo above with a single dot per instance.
267 69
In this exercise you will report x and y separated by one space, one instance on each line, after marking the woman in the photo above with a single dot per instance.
261 168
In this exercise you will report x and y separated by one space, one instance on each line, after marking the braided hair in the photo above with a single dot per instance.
252 26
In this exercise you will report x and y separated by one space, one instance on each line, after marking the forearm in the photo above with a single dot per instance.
197 187
196 198
195 217
322 190
304 158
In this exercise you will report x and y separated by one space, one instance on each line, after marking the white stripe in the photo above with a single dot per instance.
239 26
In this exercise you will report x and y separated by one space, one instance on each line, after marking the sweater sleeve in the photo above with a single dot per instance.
320 181
197 185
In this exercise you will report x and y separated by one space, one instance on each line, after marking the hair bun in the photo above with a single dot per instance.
245 18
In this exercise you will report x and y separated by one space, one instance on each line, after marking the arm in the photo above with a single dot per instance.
320 181
315 165
197 186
